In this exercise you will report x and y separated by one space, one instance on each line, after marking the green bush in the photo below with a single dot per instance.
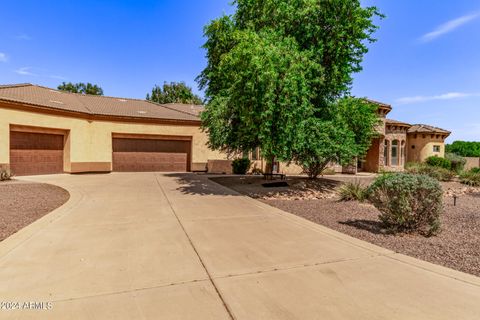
5 174
439 162
471 178
457 162
350 191
475 170
408 202
437 173
240 166
464 148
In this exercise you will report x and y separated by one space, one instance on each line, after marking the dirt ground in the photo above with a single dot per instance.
23 203
299 187
456 247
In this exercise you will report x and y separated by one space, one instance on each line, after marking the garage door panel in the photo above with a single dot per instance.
28 162
36 153
150 145
149 162
35 141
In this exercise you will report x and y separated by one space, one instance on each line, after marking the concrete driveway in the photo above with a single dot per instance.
160 246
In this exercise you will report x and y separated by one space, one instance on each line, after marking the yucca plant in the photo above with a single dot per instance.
352 191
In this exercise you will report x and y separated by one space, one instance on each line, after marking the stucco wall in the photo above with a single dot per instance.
472 162
90 142
423 147
374 157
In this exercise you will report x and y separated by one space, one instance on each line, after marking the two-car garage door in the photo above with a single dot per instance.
141 154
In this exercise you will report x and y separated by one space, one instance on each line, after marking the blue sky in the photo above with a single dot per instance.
426 62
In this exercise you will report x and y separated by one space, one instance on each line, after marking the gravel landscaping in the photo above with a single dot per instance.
456 247
23 203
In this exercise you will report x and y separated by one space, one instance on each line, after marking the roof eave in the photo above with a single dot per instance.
77 114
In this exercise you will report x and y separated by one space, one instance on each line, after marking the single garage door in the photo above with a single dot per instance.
151 155
36 153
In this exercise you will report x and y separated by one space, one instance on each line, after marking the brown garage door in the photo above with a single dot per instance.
150 155
36 153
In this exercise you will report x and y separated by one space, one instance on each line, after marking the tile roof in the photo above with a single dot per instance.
92 105
396 122
188 108
424 128
381 104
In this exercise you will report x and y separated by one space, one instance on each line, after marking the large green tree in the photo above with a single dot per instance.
340 139
174 92
275 73
80 87
464 148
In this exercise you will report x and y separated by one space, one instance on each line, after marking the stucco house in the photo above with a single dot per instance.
397 143
46 131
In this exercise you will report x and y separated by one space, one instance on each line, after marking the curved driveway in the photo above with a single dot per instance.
171 246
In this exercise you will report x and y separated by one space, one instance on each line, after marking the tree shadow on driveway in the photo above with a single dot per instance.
199 184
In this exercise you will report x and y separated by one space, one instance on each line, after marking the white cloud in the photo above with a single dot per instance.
3 57
38 72
449 26
25 71
444 96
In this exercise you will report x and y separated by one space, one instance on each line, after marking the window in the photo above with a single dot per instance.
255 154
402 156
395 153
385 153
436 148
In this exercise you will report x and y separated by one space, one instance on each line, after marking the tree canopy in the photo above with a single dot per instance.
275 76
174 92
464 148
80 87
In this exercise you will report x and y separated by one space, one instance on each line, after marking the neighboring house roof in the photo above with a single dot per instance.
424 128
396 122
188 108
47 98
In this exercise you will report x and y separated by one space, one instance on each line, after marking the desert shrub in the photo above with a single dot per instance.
471 178
437 173
5 174
457 162
241 166
475 170
408 202
351 191
328 172
413 167
439 162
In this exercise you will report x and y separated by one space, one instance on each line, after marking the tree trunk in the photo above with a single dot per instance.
270 164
